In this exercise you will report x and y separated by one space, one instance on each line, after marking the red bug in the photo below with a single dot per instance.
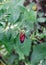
22 37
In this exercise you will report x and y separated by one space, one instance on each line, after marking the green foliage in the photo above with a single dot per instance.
21 48
14 19
39 52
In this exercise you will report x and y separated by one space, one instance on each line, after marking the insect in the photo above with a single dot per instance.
22 37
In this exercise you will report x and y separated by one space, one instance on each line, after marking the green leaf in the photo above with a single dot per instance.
22 8
12 8
30 16
40 14
21 48
41 19
17 2
39 53
12 58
